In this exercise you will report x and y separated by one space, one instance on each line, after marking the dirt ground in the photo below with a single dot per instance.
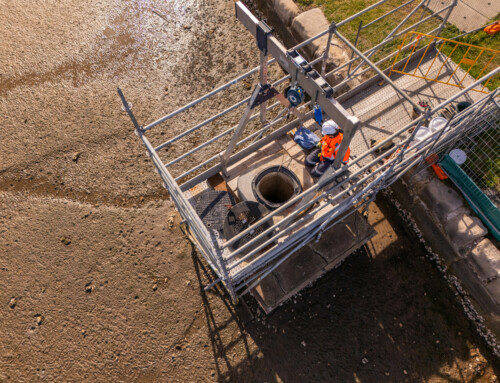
96 286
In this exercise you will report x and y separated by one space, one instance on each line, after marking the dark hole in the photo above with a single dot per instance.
276 187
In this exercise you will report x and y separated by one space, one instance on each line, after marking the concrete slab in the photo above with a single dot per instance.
482 268
486 260
260 158
488 250
468 15
244 186
341 240
463 229
271 289
442 200
297 270
284 152
493 288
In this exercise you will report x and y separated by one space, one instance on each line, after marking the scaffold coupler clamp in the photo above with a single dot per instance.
333 27
266 93
318 236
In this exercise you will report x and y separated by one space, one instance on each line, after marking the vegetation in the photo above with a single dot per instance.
492 176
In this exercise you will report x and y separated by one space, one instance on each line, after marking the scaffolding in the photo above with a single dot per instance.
342 191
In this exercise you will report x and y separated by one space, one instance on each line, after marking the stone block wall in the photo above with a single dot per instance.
465 232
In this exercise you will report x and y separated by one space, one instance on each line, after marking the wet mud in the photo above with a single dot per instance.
97 282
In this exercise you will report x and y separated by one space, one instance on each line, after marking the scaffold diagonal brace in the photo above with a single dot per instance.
239 130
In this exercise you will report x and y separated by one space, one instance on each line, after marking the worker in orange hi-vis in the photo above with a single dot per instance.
322 157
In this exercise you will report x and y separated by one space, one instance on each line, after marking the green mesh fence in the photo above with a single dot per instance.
480 203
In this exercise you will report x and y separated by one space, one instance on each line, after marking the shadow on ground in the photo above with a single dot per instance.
385 315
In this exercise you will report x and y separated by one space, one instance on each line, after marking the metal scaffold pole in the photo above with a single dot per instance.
263 82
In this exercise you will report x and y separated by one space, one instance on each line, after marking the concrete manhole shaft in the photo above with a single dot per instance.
275 185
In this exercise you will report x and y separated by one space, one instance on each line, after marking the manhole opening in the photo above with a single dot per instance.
276 185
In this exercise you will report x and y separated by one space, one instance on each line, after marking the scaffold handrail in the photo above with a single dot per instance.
254 70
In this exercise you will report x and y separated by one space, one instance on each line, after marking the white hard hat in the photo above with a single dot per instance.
330 127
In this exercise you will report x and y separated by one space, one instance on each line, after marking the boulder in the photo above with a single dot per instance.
463 229
286 10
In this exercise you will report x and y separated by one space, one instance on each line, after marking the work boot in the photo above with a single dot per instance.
321 168
312 158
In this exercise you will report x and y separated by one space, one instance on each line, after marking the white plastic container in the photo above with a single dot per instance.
437 123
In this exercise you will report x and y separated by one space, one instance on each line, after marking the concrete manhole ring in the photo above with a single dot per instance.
276 185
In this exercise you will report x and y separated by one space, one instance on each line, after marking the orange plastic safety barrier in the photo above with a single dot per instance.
439 172
493 28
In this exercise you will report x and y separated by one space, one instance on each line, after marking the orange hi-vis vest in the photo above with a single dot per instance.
330 147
